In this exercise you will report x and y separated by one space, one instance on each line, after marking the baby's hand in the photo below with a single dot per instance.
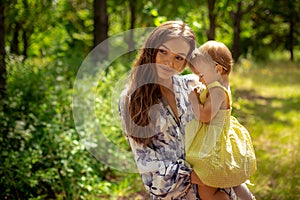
196 86
199 87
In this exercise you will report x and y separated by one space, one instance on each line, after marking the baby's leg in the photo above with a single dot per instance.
243 192
211 193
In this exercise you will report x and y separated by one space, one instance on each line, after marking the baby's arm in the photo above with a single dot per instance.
212 105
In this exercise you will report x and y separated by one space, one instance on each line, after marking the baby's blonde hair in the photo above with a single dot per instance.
220 54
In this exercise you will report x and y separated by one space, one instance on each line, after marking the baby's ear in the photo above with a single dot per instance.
220 68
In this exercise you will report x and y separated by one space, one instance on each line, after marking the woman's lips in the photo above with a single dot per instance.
166 68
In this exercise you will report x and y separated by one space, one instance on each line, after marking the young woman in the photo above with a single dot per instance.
154 110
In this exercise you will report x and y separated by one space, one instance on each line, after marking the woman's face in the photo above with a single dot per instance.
171 57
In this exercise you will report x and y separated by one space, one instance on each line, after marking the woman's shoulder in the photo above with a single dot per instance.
186 79
191 82
123 99
124 92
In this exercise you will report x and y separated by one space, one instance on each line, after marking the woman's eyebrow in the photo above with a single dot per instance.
183 54
165 47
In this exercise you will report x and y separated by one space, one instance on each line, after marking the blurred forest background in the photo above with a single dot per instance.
44 42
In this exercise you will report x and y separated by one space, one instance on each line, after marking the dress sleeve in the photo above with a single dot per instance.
160 177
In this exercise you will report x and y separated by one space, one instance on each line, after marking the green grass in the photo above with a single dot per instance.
267 101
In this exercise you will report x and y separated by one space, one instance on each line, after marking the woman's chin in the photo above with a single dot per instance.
165 73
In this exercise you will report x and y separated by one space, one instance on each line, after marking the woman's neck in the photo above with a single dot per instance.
169 96
165 84
165 91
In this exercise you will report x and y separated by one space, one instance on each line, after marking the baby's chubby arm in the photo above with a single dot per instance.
212 105
195 88
207 111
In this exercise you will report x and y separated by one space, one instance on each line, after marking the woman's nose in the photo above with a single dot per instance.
170 60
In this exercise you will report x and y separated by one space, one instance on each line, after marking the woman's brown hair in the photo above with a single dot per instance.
143 91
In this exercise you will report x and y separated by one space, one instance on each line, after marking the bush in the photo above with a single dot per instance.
42 154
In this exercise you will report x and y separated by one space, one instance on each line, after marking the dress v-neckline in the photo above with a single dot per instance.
177 113
171 111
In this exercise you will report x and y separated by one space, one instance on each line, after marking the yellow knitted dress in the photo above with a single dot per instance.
220 152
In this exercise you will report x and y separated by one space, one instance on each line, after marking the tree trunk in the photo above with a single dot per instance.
132 3
211 33
291 36
236 48
2 53
101 27
24 31
14 47
25 44
237 17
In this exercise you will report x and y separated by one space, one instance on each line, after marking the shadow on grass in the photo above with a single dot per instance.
266 109
277 176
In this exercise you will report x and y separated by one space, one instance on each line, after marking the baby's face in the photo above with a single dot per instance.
207 69
204 66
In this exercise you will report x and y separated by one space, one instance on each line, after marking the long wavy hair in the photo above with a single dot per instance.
144 91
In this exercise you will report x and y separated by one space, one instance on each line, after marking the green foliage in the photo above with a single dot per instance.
41 153
107 95
274 27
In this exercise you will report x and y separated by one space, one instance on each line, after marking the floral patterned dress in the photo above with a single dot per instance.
161 163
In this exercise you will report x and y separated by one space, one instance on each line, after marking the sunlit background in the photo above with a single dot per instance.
44 44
